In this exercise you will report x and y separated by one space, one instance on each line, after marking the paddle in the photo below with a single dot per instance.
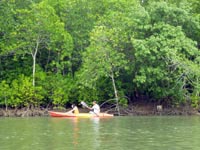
85 105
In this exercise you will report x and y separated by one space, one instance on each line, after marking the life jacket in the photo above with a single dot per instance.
76 111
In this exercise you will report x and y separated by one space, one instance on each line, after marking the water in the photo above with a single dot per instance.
118 133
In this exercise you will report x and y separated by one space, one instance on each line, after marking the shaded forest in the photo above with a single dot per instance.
57 52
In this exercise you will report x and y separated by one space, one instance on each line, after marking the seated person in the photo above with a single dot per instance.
74 110
95 109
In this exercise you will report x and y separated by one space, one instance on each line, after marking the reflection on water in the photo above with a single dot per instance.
75 131
92 132
95 124
125 133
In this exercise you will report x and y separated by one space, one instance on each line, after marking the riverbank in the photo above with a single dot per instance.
159 110
23 112
131 110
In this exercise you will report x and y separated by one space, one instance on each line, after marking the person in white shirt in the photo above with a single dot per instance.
95 109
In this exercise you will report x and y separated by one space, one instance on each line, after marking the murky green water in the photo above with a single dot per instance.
118 133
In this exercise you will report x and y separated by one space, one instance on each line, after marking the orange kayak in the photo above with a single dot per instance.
83 115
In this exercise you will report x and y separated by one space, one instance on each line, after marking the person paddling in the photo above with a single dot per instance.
95 109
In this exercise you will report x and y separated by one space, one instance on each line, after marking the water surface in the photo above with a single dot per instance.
118 133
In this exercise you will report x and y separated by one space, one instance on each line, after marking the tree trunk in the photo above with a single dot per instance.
34 54
115 91
34 61
6 104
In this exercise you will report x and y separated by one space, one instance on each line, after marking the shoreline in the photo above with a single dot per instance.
129 111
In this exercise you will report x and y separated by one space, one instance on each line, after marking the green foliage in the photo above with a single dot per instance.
101 59
16 66
82 50
87 94
5 93
58 88
166 53
195 101
20 93
123 102
24 93
40 29
174 15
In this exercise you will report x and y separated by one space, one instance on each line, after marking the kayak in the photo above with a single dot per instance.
83 115
86 115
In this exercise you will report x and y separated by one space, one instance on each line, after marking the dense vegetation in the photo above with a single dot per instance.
56 52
